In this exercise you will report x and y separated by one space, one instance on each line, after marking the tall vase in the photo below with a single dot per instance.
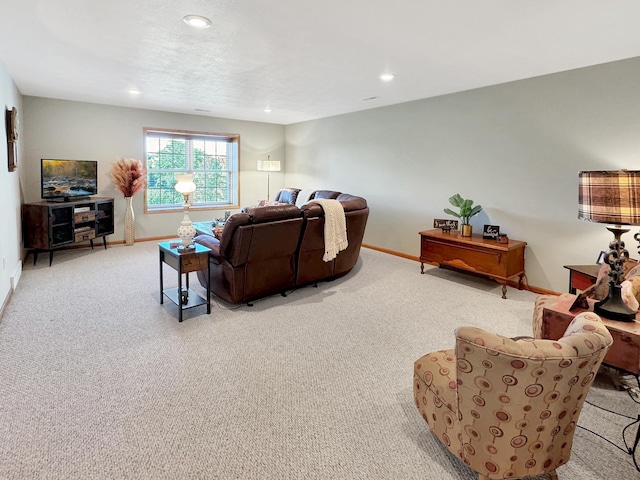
129 223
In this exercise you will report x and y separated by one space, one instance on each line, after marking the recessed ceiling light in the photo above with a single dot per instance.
134 91
387 77
197 21
267 110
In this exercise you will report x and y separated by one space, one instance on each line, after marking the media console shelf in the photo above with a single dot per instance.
49 226
498 261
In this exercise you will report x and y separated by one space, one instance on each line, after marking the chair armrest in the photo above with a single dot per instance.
522 337
208 241
212 243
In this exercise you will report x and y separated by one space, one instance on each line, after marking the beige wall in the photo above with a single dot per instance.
514 148
75 130
10 262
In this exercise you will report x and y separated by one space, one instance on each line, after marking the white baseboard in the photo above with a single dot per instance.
15 278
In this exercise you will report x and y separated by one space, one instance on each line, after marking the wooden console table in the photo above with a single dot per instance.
625 351
498 261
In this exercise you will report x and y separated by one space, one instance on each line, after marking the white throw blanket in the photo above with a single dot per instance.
335 228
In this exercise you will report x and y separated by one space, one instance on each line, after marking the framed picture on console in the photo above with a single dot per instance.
445 224
600 260
491 232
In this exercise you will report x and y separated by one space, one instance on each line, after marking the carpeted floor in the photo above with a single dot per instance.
100 381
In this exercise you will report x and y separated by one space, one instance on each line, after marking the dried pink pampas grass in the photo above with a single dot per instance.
129 176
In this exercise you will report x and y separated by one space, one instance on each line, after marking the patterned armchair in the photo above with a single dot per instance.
541 302
508 408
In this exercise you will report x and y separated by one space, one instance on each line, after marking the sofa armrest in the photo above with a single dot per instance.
351 203
212 243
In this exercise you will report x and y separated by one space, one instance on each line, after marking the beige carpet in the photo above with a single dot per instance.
100 381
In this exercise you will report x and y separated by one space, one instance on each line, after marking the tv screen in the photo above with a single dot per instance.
65 180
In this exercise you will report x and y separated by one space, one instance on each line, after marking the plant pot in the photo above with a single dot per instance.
467 230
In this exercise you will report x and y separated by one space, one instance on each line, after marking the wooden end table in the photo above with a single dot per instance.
625 351
582 277
185 261
624 354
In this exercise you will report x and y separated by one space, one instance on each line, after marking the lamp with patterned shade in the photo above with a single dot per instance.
186 230
268 166
611 197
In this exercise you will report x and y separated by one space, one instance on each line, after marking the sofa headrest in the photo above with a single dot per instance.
330 194
273 212
287 195
351 202
236 220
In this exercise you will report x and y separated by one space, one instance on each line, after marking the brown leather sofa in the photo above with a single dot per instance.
311 267
272 249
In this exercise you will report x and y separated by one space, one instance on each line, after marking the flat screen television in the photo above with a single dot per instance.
68 180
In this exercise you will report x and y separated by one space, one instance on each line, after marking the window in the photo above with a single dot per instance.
212 158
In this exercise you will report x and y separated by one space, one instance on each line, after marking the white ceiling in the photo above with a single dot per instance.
304 59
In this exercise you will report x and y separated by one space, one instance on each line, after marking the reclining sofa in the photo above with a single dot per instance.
271 249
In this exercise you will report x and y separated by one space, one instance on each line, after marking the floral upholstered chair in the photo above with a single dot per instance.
508 408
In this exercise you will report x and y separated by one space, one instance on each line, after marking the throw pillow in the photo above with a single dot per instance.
601 288
303 196
630 291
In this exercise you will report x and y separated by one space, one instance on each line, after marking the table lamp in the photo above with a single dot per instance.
268 166
611 197
186 231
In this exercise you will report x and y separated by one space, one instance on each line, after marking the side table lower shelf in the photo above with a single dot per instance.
193 298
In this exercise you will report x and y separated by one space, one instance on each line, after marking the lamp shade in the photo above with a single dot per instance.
269 165
185 183
609 196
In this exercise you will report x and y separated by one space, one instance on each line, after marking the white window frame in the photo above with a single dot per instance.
196 200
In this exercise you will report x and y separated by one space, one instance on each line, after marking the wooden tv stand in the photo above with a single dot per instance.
48 226
498 261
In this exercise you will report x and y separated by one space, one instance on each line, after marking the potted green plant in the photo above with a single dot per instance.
467 210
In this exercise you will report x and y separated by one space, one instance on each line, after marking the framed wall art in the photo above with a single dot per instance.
11 123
